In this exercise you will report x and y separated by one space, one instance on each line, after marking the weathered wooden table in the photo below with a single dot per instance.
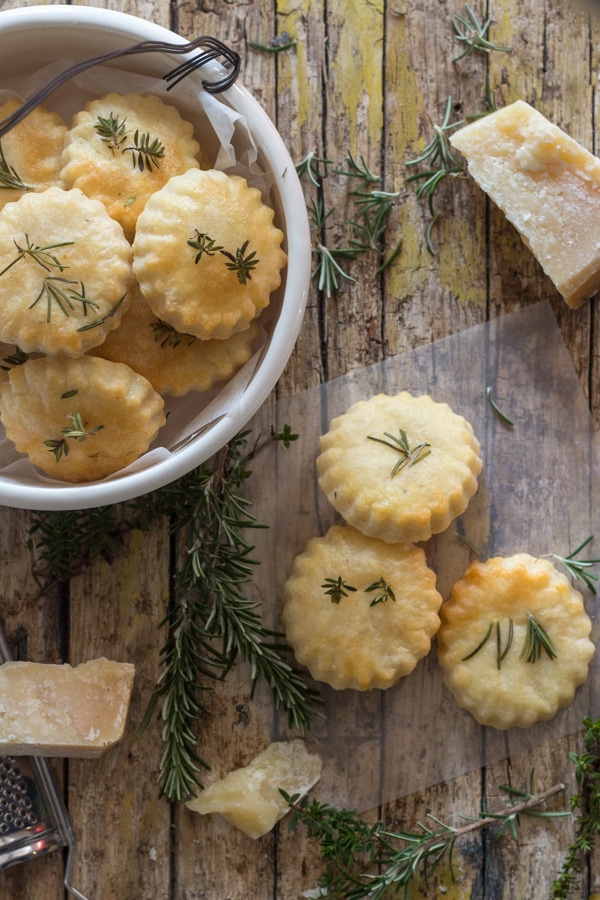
370 78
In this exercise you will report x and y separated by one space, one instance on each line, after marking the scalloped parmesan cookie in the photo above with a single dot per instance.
369 639
249 797
180 247
102 152
32 151
65 272
438 466
174 363
79 419
493 664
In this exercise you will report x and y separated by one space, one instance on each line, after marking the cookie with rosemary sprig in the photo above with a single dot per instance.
65 272
360 612
399 467
175 363
122 148
31 152
207 254
514 643
79 420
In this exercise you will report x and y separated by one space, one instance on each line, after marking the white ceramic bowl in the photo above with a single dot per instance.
35 36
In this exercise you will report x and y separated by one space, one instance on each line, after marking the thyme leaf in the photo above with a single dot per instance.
204 245
336 588
408 456
111 131
146 152
169 336
241 263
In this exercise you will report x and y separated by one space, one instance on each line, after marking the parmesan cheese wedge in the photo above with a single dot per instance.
249 797
547 185
60 710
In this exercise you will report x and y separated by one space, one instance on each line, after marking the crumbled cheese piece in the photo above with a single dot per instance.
547 185
249 797
60 710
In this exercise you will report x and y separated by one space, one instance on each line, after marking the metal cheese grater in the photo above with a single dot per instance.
33 817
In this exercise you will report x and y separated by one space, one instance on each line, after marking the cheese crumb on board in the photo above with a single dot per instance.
61 710
547 185
249 797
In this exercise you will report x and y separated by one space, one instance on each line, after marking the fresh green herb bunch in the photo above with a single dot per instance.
372 861
210 623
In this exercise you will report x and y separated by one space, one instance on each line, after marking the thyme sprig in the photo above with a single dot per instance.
473 33
9 178
383 591
587 801
372 860
168 336
336 588
76 431
242 263
146 151
203 245
111 131
409 456
579 569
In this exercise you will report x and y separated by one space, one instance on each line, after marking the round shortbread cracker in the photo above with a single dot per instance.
180 261
363 641
435 480
489 663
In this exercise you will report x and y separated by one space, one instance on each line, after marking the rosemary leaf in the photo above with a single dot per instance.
579 569
9 179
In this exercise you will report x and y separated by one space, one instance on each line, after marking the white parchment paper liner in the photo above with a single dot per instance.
226 139
538 493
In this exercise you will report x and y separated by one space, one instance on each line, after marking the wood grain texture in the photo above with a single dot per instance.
370 78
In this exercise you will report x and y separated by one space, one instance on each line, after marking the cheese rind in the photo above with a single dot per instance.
547 185
60 710
249 797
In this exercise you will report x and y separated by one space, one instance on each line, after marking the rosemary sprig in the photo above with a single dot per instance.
168 336
146 152
242 263
358 170
76 431
277 44
100 321
111 131
536 640
441 163
203 245
211 624
408 456
40 254
587 801
372 861
65 298
309 166
9 179
579 568
496 408
336 588
473 34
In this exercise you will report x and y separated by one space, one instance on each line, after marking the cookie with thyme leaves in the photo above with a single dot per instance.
360 612
207 254
399 467
122 148
79 420
175 363
514 643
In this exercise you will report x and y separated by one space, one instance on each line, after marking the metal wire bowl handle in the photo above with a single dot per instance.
213 49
